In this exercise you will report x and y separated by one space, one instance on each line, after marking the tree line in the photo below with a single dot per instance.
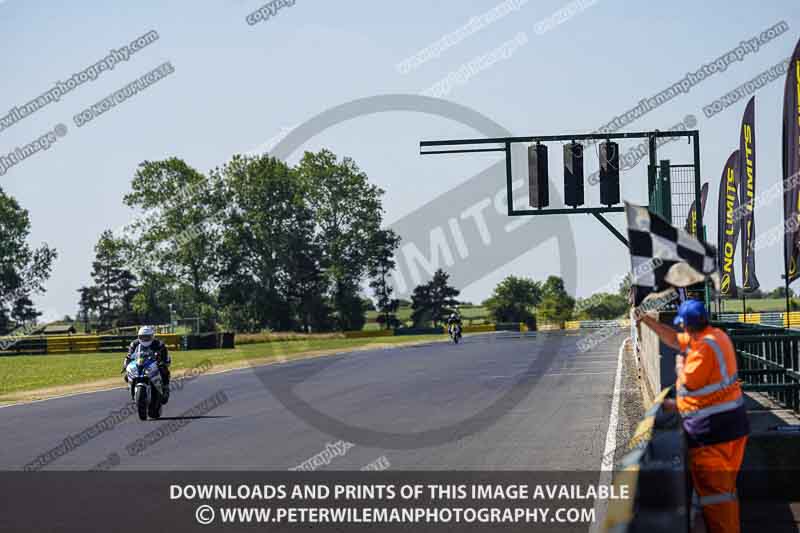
23 270
256 244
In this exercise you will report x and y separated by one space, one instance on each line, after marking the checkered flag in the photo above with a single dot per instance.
663 256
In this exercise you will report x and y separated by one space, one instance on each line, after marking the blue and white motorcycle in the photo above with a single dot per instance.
144 380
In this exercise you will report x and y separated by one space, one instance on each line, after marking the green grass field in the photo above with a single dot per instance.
766 304
472 316
32 372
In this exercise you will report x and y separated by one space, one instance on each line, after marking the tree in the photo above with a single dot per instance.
115 284
755 295
513 298
625 287
23 312
151 302
433 301
349 306
443 297
88 305
306 283
348 212
604 306
382 249
23 270
271 261
780 292
176 234
421 305
127 289
556 304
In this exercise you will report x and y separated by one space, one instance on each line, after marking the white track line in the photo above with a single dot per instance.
601 506
613 417
580 374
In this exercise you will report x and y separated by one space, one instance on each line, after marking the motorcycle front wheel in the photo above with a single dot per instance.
155 406
140 397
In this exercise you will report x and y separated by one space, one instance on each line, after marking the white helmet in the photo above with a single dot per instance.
146 334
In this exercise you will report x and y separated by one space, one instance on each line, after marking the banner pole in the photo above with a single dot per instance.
744 306
788 310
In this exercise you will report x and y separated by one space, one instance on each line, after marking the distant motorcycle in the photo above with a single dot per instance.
145 383
455 333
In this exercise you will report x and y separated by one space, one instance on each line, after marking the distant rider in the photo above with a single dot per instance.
453 319
146 339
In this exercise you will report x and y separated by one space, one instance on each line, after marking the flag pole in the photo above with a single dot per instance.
788 310
744 306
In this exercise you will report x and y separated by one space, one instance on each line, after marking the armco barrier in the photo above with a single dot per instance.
368 334
507 326
478 329
23 345
419 331
596 324
548 327
207 341
484 328
654 470
67 344
73 344
767 318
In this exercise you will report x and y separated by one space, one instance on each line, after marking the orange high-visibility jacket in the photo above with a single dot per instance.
709 396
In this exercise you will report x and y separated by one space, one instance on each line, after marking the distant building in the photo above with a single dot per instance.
58 329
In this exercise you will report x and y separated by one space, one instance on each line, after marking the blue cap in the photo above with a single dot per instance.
691 313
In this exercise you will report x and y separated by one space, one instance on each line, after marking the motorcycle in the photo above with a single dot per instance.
455 333
146 386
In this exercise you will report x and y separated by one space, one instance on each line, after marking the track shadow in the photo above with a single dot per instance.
199 417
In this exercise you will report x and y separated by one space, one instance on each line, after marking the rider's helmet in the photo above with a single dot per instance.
146 335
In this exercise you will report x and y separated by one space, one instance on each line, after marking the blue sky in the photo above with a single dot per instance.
235 86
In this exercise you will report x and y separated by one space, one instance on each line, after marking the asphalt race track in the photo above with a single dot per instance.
495 401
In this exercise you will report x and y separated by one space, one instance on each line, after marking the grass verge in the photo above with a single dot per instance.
51 375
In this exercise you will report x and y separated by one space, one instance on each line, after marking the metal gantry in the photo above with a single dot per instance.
505 146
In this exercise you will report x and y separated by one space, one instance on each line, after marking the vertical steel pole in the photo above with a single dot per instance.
653 177
788 307
744 305
509 192
698 208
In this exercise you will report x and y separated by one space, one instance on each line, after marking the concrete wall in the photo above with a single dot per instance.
656 360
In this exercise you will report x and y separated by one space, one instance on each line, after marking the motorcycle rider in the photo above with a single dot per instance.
146 339
453 319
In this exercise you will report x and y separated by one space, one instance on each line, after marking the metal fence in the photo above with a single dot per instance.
766 318
768 361
682 192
